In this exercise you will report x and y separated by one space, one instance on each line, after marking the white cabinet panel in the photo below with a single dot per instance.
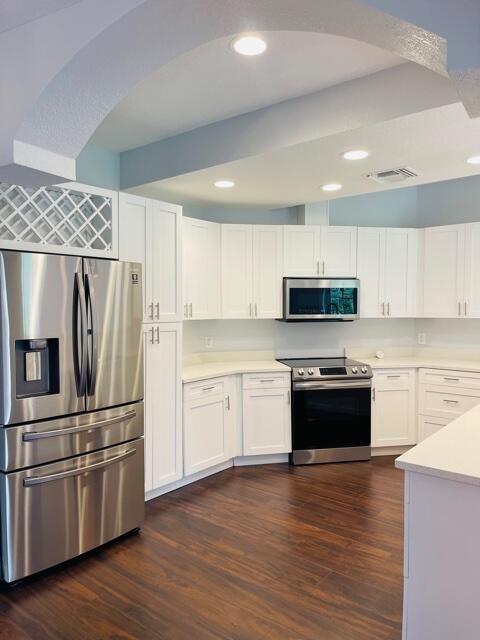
401 254
371 271
338 251
267 271
393 408
444 268
237 284
163 404
471 307
201 269
446 402
266 421
302 250
428 425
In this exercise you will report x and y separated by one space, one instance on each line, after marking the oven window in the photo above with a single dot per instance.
330 418
329 301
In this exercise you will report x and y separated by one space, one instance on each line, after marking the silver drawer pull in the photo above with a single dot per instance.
39 435
29 482
451 401
397 376
208 388
452 379
268 380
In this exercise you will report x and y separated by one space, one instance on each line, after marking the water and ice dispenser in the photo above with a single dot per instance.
37 367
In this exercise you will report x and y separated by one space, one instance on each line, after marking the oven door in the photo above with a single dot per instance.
331 414
320 299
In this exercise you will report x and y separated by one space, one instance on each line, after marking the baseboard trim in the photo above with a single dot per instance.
183 482
390 451
274 458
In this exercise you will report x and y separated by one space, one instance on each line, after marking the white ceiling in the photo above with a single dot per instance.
14 13
213 82
435 142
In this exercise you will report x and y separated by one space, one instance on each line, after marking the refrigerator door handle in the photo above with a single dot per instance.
93 332
40 435
80 364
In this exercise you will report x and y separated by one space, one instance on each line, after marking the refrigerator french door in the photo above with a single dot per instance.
71 437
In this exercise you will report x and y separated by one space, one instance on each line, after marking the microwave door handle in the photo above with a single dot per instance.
80 339
92 305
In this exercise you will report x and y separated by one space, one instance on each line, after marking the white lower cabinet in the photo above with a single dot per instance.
393 407
208 424
266 417
163 404
428 425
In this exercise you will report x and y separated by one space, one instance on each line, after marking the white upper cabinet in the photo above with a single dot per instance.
201 269
251 271
471 306
151 233
387 268
267 271
338 249
302 250
444 272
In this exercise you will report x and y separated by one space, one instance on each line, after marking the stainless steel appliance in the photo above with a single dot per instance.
331 410
314 299
71 410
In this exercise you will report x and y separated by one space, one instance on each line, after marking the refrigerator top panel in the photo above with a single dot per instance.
115 336
38 349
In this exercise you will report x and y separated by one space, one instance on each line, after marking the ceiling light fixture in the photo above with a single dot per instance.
224 184
334 186
249 45
474 160
355 154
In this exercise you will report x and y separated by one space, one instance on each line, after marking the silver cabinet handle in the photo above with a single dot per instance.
465 309
394 376
150 314
268 380
388 308
250 309
451 401
383 308
157 330
459 308
190 314
452 379
256 310
227 399
208 388
373 394
41 435
152 338
28 482
289 397
157 307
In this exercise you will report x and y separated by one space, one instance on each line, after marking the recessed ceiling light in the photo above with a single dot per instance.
224 184
249 45
334 186
355 154
474 160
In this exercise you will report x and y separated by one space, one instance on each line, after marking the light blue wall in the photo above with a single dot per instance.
99 167
395 208
449 202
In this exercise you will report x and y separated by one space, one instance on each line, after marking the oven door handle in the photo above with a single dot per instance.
331 384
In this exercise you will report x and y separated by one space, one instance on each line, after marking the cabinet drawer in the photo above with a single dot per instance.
448 402
266 380
428 425
392 378
204 388
450 378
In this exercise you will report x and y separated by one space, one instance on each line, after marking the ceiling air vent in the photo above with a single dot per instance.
393 175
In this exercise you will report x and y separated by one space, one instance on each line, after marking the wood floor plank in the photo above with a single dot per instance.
254 553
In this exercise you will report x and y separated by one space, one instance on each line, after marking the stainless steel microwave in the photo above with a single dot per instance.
317 299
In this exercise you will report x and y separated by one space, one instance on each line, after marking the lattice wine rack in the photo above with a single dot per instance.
55 217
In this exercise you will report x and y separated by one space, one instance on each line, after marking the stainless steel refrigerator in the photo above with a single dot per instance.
71 410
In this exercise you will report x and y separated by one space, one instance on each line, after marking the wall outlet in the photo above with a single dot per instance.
422 338
208 343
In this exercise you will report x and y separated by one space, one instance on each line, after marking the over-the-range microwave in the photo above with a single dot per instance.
320 299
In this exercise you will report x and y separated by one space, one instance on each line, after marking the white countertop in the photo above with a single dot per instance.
205 370
452 453
428 362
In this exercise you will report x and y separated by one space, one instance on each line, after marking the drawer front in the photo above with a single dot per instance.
42 442
428 425
205 388
266 380
450 378
58 511
447 402
393 378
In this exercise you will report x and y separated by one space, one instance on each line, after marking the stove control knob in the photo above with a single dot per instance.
354 370
364 369
301 372
311 372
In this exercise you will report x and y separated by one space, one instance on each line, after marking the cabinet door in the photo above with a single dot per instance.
339 251
163 404
444 269
401 252
237 285
371 271
132 219
301 250
266 421
427 426
471 307
208 433
164 260
267 271
393 408
201 269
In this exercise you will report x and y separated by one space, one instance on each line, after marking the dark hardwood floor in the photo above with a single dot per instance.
272 552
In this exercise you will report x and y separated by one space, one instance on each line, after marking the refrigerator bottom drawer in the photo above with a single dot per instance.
55 512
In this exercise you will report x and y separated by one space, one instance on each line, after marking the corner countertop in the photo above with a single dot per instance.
228 364
451 453
428 362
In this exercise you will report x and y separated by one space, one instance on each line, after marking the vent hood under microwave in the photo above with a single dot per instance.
321 299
